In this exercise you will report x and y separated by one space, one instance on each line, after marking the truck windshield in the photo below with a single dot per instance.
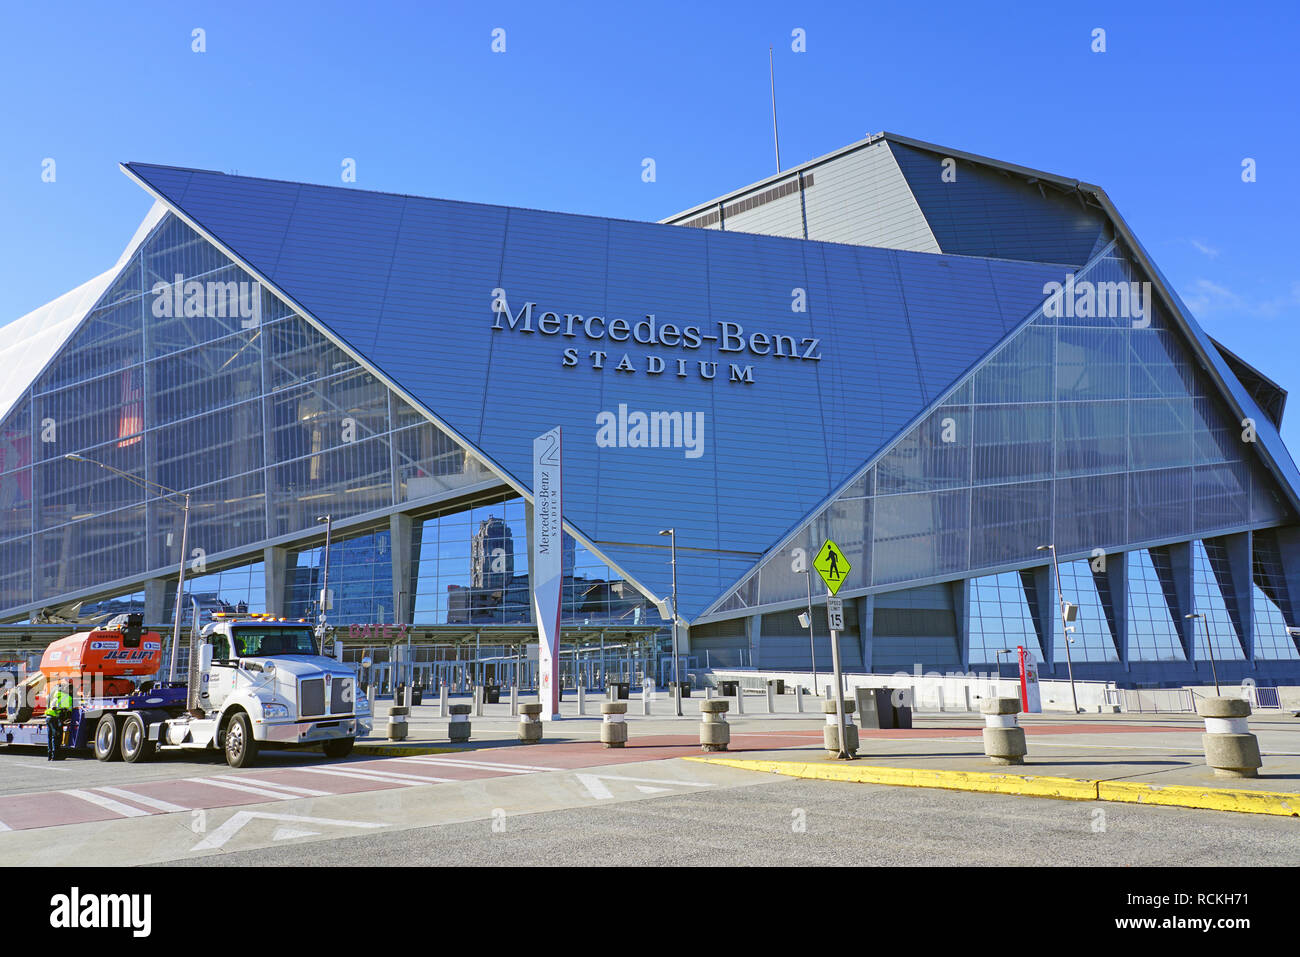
266 642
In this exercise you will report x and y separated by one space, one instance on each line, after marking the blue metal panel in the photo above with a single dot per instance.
984 212
408 283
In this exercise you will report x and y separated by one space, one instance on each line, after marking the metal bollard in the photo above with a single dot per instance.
708 692
613 727
647 696
771 698
478 701
458 727
1004 739
740 698
442 701
1230 749
397 723
831 733
514 700
798 698
582 700
530 723
715 733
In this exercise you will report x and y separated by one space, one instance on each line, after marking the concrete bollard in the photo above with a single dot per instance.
1004 739
1230 749
458 727
397 723
530 723
442 700
715 733
613 729
831 732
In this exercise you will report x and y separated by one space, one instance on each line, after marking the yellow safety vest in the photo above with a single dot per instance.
60 704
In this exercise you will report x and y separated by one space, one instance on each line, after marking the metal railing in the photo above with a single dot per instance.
1261 698
1153 700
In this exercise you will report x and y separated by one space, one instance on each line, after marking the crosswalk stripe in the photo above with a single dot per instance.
463 762
155 803
468 767
389 777
250 789
291 788
108 804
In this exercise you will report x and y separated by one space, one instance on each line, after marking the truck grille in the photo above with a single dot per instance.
340 698
311 698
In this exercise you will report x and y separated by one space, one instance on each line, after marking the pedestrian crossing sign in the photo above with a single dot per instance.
832 566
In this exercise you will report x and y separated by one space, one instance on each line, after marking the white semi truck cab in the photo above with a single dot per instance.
259 680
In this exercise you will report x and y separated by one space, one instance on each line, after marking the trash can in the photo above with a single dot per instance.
491 694
686 688
728 688
874 707
621 690
903 709
417 694
779 684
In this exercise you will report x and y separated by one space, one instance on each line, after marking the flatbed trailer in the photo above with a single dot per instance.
132 713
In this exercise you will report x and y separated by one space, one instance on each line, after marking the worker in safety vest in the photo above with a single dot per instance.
57 710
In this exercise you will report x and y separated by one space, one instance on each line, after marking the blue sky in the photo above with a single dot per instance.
562 120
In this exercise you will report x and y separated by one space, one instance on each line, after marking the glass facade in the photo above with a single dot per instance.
471 567
1083 431
1000 619
190 374
1093 637
360 578
1219 625
1152 611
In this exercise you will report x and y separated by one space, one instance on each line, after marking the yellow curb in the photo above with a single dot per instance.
1214 799
1071 789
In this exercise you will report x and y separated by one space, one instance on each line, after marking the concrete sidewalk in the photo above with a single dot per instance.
1150 758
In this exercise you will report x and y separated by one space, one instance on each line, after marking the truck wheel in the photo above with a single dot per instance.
106 739
338 747
241 749
136 745
15 710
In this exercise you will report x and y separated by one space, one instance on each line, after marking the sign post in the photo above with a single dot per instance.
1030 693
834 567
548 566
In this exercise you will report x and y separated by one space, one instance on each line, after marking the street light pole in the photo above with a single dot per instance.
1065 632
325 584
185 528
812 645
677 680
997 656
1214 670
